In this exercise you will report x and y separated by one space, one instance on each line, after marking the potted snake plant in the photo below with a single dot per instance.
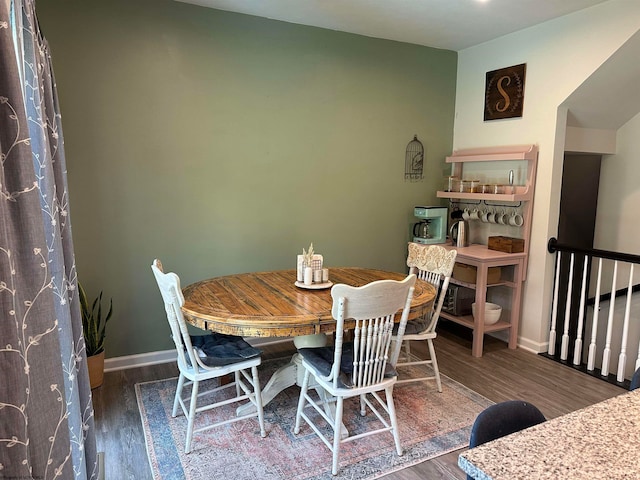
94 330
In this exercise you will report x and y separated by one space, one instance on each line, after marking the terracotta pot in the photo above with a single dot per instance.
95 364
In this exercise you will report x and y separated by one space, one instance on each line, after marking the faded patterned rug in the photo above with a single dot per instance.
431 424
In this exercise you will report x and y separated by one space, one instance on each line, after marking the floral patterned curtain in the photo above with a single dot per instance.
46 415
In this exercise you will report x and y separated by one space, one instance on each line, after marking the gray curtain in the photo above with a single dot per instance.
46 415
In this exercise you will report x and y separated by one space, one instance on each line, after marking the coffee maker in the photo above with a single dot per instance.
432 226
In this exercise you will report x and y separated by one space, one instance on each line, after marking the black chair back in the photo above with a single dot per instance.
503 419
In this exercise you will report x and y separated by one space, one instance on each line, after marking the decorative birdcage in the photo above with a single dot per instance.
414 160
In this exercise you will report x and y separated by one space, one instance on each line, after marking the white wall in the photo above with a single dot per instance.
617 225
590 140
560 55
618 214
618 229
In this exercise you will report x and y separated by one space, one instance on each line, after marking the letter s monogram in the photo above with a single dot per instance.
505 95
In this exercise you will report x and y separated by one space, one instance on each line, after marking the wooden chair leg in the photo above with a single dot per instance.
394 420
237 380
176 400
337 434
407 349
434 364
258 400
192 415
301 400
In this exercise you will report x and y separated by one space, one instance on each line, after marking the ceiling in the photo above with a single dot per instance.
448 24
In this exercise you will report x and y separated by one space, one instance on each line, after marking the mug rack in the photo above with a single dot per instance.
484 202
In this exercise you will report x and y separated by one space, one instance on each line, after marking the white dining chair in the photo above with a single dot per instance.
362 368
207 357
433 264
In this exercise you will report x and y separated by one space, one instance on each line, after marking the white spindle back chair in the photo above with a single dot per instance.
361 368
193 369
433 264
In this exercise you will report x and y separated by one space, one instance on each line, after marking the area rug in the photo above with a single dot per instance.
431 424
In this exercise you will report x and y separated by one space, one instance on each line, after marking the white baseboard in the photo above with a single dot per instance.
166 356
531 346
523 343
139 360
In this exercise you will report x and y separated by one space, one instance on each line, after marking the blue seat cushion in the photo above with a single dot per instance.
418 325
321 359
218 349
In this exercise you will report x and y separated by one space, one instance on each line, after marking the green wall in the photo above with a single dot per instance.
224 143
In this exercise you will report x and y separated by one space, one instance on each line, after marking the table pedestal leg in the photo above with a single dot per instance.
293 374
287 375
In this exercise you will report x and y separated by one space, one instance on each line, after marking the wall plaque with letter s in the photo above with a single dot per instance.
504 92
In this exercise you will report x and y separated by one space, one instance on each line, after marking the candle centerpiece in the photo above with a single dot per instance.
309 268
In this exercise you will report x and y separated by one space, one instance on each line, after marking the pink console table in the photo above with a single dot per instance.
482 258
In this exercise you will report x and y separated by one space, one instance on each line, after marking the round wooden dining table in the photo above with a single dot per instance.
269 304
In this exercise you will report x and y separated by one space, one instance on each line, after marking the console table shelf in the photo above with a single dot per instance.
480 256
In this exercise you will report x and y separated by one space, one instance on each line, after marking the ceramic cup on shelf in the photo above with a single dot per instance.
484 218
516 219
475 214
466 214
491 218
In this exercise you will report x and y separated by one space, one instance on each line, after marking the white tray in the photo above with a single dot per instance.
314 286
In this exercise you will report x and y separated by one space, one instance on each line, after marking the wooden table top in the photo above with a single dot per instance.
268 304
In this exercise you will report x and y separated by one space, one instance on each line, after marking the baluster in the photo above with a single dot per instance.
594 329
551 350
357 360
564 352
606 355
577 350
375 352
387 342
367 369
622 358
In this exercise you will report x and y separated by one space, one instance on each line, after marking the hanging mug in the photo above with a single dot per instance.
516 219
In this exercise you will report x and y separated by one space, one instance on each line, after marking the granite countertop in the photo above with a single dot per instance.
601 441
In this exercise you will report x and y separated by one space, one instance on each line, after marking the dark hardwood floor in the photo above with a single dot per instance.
500 374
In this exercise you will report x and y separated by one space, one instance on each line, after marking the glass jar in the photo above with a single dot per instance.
452 184
474 186
464 186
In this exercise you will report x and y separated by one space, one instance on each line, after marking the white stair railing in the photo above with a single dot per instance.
623 320
594 328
